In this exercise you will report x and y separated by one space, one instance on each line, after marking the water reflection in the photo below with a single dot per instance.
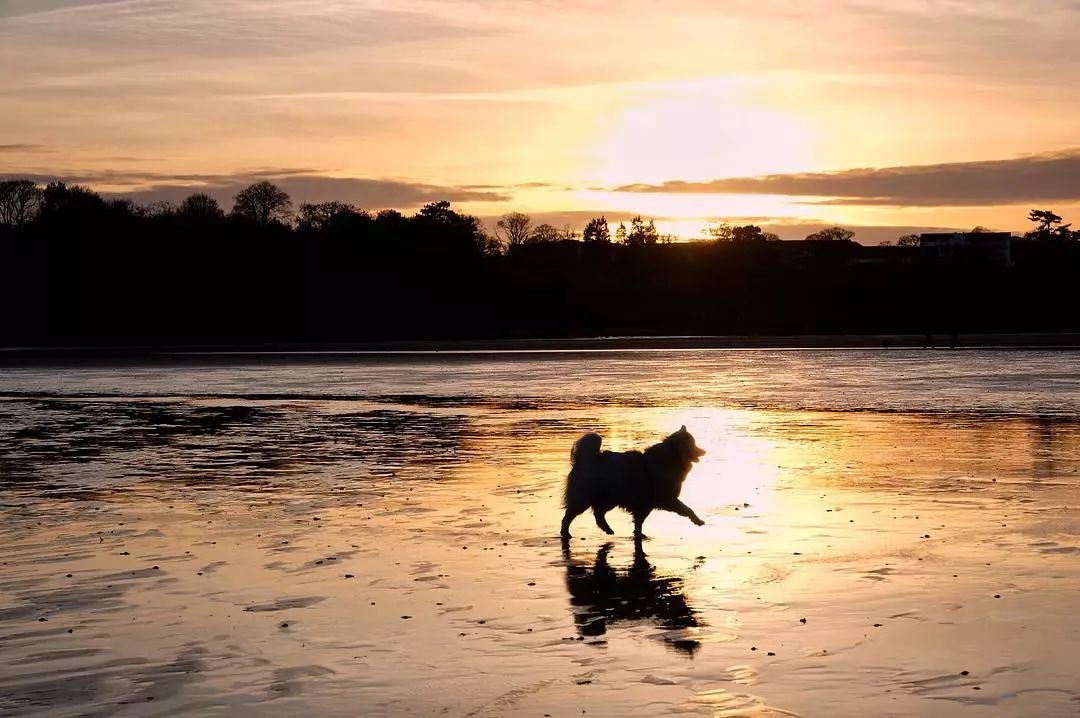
602 595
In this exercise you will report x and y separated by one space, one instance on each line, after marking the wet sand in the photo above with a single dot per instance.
397 555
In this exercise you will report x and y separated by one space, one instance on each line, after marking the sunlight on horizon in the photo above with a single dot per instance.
694 131
507 106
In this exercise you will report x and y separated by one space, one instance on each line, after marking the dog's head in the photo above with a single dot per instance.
682 441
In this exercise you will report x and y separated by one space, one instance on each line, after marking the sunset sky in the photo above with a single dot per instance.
911 113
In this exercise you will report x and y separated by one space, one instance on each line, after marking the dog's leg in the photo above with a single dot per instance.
639 519
683 510
601 521
572 513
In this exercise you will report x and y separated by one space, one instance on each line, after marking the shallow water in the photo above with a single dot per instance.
377 535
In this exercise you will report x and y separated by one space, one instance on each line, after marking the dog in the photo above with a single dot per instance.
640 482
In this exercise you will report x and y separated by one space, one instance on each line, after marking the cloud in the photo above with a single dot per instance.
1036 178
23 8
21 148
303 185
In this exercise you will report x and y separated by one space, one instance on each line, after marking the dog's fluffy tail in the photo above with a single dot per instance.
585 448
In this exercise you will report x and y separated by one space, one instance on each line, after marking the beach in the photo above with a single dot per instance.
887 533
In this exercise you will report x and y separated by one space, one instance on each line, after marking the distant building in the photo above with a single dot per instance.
988 247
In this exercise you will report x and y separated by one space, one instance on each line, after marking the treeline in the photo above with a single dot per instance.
79 269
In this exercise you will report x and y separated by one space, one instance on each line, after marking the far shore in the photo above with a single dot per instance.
34 355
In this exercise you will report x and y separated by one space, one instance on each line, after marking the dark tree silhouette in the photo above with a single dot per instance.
831 234
263 203
158 210
514 229
438 222
620 233
200 207
641 233
86 271
20 201
544 234
750 234
336 217
58 200
597 230
1050 227
1046 220
722 232
908 240
390 217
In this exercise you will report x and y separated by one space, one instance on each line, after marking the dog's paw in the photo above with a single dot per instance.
697 521
609 532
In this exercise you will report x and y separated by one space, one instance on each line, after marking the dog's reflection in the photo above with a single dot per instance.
603 595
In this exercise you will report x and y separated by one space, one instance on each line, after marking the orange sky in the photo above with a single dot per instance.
561 109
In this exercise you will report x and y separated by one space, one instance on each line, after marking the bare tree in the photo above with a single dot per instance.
158 210
201 206
544 234
263 202
722 232
322 216
908 240
513 229
20 201
831 234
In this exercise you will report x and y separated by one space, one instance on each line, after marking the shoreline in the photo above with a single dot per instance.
1041 341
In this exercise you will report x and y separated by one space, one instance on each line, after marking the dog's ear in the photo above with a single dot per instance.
683 429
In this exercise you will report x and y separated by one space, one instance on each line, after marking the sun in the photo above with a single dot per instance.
694 130
697 130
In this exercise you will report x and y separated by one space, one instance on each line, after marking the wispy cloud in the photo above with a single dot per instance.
22 148
1034 178
454 93
303 185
